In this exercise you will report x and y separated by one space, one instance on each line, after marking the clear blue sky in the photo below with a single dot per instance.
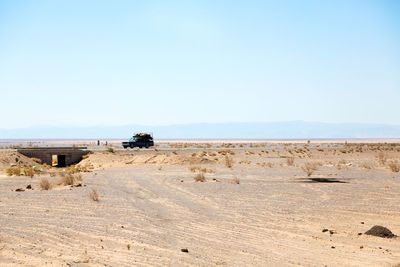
167 62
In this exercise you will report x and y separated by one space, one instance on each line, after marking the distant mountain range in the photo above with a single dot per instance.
233 130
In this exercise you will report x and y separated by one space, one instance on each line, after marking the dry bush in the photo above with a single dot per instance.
366 165
85 156
111 150
309 168
93 195
200 178
394 166
382 158
235 180
15 170
290 161
69 178
228 161
29 171
45 184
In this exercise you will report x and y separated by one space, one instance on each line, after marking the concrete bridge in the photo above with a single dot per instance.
55 156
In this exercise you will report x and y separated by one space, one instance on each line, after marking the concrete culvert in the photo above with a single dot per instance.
380 231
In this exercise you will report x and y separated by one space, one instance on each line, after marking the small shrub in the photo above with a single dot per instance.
111 150
309 168
69 178
200 178
93 195
29 171
228 161
382 158
290 161
394 166
366 166
45 184
15 170
235 181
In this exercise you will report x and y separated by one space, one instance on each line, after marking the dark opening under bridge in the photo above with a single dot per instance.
55 156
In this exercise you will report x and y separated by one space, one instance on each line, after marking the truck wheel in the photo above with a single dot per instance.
131 145
147 146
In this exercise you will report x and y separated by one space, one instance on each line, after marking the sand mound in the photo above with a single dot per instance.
380 231
117 160
7 158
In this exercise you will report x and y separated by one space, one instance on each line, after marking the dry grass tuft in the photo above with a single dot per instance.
382 158
15 170
200 178
366 165
69 178
228 161
290 161
235 180
394 166
45 184
93 195
309 168
29 171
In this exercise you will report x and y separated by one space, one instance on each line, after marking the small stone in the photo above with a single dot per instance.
332 246
359 233
361 247
19 190
29 186
362 222
325 230
331 232
184 250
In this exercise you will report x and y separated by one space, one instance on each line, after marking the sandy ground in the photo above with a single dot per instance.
150 208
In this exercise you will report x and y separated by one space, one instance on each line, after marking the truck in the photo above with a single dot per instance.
139 140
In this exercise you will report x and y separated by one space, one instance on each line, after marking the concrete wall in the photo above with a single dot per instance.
72 156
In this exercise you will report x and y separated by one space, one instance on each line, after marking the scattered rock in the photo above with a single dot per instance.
19 190
29 186
361 247
362 222
331 232
325 230
380 231
184 250
332 246
359 233
78 185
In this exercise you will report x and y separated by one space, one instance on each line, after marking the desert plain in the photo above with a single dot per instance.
204 204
